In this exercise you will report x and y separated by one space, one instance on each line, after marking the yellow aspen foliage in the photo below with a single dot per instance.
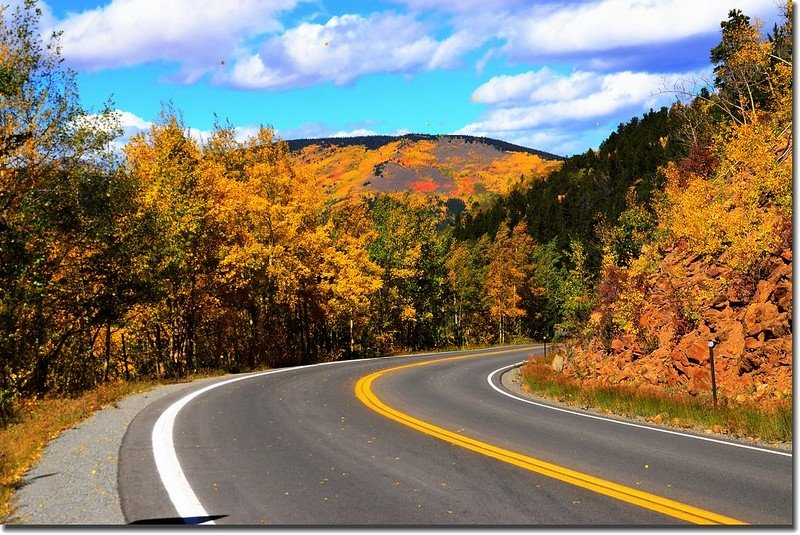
351 277
746 205
507 274
743 209
277 241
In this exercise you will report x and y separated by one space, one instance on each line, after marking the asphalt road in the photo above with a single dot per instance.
298 447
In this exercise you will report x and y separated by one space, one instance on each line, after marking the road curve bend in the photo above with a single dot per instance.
308 447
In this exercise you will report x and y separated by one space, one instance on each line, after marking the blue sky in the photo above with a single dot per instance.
556 76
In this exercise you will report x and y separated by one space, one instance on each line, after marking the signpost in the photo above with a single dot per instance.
713 375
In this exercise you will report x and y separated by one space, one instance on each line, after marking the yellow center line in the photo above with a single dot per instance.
646 500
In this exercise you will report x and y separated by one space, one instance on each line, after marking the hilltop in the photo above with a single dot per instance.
465 167
377 141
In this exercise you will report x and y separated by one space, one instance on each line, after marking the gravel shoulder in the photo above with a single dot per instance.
75 481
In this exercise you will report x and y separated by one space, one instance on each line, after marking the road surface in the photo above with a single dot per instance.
432 441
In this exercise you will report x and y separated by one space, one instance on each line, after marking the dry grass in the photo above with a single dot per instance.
38 421
772 425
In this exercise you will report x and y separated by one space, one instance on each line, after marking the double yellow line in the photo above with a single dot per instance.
627 494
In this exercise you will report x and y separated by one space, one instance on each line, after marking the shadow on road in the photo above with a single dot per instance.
175 520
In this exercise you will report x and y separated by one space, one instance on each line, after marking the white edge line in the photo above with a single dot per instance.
183 498
621 422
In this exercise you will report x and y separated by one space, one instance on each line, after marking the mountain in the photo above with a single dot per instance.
464 167
374 142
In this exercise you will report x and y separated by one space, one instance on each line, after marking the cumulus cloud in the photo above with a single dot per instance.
536 86
592 27
221 36
197 34
544 97
218 36
343 49
522 105
449 52
350 46
9 7
132 125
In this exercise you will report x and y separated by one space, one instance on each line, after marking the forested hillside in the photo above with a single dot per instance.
711 259
178 255
467 170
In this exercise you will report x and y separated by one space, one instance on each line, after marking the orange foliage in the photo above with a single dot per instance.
342 171
424 186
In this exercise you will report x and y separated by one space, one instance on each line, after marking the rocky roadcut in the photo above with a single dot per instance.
750 324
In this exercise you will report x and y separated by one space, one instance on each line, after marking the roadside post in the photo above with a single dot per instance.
713 375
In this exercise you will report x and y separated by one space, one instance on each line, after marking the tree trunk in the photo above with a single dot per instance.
125 359
107 355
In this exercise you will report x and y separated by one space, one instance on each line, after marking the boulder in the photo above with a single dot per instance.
752 344
748 362
700 378
696 350
720 301
732 342
758 317
763 291
782 296
719 317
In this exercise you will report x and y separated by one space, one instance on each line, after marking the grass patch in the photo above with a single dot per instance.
36 422
739 420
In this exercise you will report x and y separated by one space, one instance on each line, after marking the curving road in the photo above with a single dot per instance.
433 443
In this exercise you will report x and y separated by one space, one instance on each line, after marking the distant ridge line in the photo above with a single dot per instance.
376 141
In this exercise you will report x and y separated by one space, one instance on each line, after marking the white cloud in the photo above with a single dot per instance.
554 29
523 106
543 97
220 36
354 133
535 86
449 52
480 65
243 133
9 7
339 51
198 34
132 124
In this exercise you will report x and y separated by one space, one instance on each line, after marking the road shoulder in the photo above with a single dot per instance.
75 481
512 381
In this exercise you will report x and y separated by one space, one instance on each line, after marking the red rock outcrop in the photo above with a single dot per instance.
749 320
